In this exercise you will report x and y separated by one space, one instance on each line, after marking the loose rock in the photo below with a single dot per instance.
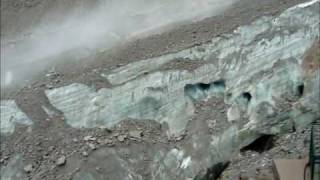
121 138
92 146
105 141
28 168
61 161
135 134
85 154
89 138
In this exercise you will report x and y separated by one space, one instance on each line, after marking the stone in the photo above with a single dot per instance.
121 138
135 134
51 148
52 74
28 168
105 129
179 138
85 154
111 145
61 161
106 141
3 159
92 146
49 86
89 138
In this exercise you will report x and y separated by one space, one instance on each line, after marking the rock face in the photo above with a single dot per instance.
10 116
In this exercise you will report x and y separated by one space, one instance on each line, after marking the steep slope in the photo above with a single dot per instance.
180 115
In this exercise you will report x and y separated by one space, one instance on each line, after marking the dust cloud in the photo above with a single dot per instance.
88 30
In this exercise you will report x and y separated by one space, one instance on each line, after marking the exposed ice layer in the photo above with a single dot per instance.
263 59
10 116
14 169
158 96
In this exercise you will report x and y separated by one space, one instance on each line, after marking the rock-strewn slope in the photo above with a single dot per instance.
261 79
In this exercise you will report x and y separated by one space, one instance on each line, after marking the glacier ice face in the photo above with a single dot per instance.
12 115
159 96
263 59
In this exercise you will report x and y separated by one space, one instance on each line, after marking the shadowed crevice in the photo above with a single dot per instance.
214 172
263 143
199 91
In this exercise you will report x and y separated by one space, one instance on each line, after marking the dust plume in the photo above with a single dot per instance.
84 30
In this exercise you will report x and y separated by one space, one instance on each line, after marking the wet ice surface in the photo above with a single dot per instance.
11 115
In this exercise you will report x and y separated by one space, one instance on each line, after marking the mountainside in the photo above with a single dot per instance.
192 102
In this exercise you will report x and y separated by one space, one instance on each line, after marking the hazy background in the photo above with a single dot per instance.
35 34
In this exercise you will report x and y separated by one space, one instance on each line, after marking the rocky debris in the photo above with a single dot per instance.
89 138
135 134
52 74
28 168
121 138
51 148
256 85
108 142
178 138
85 154
49 86
108 130
4 159
252 164
61 161
116 134
92 146
182 64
